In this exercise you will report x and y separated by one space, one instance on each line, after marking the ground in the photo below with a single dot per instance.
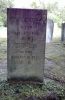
54 70
55 61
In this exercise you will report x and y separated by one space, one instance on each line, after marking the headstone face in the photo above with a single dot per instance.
63 32
26 43
49 30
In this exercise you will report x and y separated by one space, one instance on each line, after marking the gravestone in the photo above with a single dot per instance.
63 32
26 30
49 30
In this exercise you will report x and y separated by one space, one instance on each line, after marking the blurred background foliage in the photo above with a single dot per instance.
4 4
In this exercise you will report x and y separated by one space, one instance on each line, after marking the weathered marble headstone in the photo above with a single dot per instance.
63 32
26 43
49 30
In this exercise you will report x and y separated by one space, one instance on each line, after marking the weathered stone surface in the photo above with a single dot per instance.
26 43
63 32
49 30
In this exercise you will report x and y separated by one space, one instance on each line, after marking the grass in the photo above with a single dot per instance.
21 91
3 49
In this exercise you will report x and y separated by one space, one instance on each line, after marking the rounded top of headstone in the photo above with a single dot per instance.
63 24
50 20
50 23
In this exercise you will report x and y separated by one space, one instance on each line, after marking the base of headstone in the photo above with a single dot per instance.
25 81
